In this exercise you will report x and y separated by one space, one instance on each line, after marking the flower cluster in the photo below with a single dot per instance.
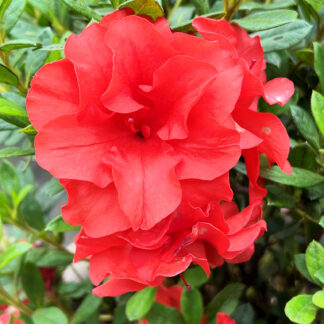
142 126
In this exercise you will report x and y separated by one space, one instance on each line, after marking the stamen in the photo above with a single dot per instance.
130 124
253 63
185 282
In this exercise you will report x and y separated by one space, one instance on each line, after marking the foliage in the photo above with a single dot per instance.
278 282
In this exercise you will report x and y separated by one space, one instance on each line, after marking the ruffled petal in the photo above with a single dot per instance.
95 209
54 93
144 175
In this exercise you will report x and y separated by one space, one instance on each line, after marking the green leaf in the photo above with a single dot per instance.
318 299
33 284
301 309
4 205
31 212
285 36
319 62
299 178
202 6
53 187
314 259
300 262
12 14
59 225
14 251
161 314
43 257
321 222
49 315
16 151
82 9
317 103
225 301
192 306
278 196
9 180
267 6
140 303
319 274
262 20
181 15
195 276
305 125
6 76
244 314
88 307
29 130
144 7
12 113
315 192
17 44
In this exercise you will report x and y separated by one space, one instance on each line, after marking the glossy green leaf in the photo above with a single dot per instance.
140 303
17 44
318 299
144 7
195 276
319 62
81 8
49 315
262 20
317 103
33 284
9 180
278 196
285 36
305 125
12 14
301 309
6 76
225 301
267 6
300 262
314 259
192 306
87 308
16 151
319 274
43 257
161 314
13 251
12 113
59 225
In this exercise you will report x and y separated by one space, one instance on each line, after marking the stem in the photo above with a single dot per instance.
306 216
16 303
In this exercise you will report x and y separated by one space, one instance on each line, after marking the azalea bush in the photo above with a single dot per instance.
161 161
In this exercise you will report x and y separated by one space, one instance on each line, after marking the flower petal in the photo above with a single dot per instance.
278 90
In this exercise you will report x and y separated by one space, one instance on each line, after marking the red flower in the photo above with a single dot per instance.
142 125
9 315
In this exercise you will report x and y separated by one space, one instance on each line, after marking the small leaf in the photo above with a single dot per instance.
29 130
319 62
319 274
59 225
300 262
301 309
14 251
317 103
49 315
144 7
285 36
314 258
82 9
140 303
16 151
8 77
9 180
17 44
12 14
12 113
161 314
192 306
225 301
33 284
262 20
305 125
195 276
88 307
318 299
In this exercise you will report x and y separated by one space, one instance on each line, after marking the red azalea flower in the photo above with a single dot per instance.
10 315
171 297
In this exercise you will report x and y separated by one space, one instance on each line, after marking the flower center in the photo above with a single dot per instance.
142 130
